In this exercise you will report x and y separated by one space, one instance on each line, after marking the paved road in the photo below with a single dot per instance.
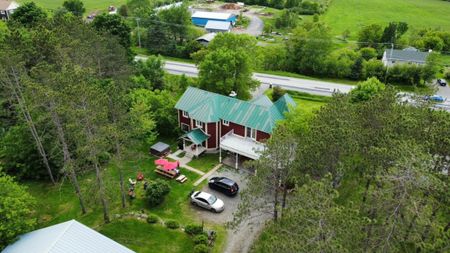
296 84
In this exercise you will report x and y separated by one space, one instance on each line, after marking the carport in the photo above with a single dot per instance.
240 146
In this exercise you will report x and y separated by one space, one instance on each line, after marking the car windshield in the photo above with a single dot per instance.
212 199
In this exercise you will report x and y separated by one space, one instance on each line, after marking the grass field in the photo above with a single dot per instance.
58 203
90 5
205 162
352 14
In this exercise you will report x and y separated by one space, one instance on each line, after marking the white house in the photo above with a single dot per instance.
7 8
67 237
408 55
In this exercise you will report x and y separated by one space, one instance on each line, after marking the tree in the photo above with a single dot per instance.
308 48
123 10
357 69
142 115
114 25
277 93
29 14
273 172
368 53
16 208
287 19
152 70
156 192
340 62
320 225
76 7
179 19
370 36
158 40
393 31
134 5
366 90
345 34
227 65
12 80
374 68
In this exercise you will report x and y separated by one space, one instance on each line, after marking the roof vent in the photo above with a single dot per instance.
233 94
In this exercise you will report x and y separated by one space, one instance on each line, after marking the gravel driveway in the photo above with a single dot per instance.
241 239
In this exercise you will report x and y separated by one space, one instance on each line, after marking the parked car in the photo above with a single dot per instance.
207 201
224 185
441 82
435 98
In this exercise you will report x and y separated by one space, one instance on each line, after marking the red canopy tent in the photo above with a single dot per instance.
170 165
161 162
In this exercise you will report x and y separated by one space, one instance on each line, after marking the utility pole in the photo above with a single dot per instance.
387 66
138 31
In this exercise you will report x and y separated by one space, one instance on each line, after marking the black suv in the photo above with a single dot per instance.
224 185
441 82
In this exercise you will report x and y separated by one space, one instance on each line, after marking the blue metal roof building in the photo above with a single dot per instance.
200 18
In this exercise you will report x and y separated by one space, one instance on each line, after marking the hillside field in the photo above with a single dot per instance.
352 14
90 5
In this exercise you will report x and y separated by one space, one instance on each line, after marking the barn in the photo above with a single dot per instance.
200 18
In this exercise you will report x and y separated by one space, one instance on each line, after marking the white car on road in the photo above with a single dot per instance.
207 201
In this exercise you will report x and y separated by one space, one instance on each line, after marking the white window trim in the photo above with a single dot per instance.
198 124
226 122
185 114
188 127
252 131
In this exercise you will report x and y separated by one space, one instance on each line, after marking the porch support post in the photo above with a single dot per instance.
237 161
220 154
184 144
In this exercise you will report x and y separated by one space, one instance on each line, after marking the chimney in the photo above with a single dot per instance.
233 94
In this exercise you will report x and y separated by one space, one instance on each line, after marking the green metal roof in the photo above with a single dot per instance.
260 113
197 136
284 103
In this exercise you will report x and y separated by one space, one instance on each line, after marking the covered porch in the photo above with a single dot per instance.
240 146
192 142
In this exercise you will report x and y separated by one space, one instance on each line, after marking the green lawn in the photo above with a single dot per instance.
143 237
90 5
352 14
58 203
205 162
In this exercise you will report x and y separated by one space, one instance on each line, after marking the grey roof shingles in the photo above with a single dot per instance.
406 55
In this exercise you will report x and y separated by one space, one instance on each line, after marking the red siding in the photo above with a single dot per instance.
184 120
238 129
212 141
260 136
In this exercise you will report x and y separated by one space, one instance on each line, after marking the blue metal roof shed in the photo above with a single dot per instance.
200 18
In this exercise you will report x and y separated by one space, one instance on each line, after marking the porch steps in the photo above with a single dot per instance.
205 176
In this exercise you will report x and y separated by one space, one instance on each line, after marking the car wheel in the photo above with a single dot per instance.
193 203
213 210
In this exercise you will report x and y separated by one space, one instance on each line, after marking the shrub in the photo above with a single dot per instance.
447 76
277 93
201 248
193 229
201 239
172 224
152 219
156 191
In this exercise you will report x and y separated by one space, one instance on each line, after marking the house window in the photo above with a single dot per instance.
250 133
185 114
198 124
185 127
226 123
